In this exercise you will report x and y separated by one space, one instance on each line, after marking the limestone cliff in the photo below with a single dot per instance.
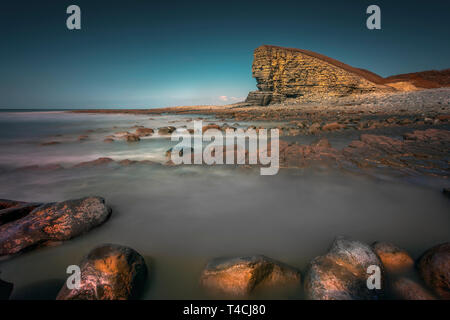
293 73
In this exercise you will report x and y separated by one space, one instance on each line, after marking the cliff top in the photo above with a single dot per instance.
370 76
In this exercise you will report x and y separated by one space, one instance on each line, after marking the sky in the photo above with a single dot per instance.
146 54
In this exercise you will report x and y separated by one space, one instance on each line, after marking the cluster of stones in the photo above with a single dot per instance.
293 73
340 274
116 272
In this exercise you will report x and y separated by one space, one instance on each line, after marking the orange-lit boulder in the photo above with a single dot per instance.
109 272
394 259
240 276
52 222
434 267
342 273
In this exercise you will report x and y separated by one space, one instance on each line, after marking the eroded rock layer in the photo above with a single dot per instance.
293 73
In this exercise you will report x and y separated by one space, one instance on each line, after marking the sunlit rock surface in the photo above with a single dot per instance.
109 272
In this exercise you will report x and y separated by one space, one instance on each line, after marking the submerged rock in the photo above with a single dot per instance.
52 222
434 267
109 272
394 259
5 289
96 162
132 138
341 274
166 130
144 132
240 276
407 289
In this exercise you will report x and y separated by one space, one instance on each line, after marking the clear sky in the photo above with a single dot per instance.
137 53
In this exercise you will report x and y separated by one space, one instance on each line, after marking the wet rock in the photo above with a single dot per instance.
240 276
5 289
83 137
144 132
132 138
407 289
434 267
96 162
109 272
127 162
210 126
394 259
166 130
11 210
121 134
52 222
333 126
341 274
50 143
314 128
108 140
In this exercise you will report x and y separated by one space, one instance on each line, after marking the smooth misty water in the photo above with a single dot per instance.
178 218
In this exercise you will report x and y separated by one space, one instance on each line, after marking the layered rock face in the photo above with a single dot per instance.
293 73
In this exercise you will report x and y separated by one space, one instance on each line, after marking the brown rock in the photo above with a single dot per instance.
52 222
407 289
132 138
96 162
109 272
240 276
394 259
434 267
108 140
13 210
50 143
314 128
333 126
83 137
144 132
166 130
341 274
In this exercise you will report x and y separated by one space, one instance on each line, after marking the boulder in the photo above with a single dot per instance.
166 130
407 289
241 275
342 273
333 126
5 289
434 267
109 272
96 162
144 132
11 210
132 138
394 259
52 222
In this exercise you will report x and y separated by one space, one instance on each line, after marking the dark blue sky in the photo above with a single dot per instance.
138 53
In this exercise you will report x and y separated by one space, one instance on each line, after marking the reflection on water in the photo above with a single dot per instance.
178 218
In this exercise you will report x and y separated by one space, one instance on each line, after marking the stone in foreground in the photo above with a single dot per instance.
240 276
341 274
109 272
434 267
407 289
52 222
394 259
